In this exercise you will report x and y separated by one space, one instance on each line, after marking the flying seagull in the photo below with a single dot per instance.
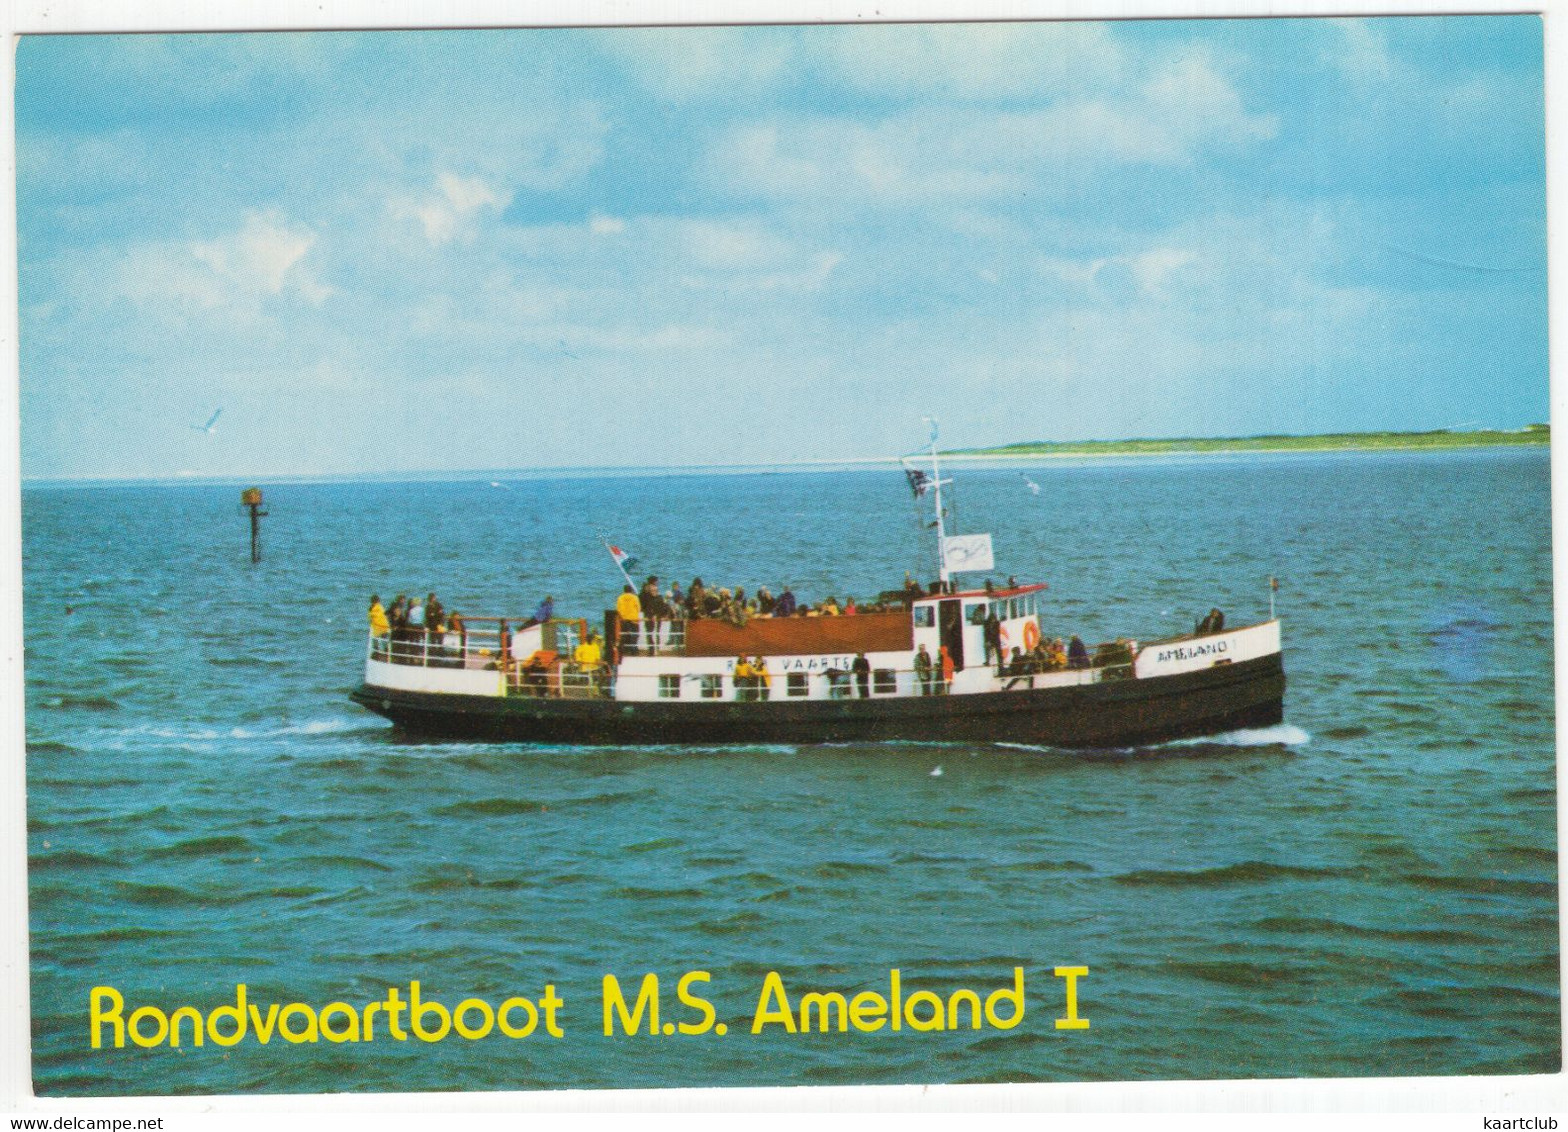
212 422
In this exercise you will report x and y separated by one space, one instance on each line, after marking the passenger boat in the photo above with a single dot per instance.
831 679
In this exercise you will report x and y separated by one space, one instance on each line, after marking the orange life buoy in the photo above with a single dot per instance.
1031 635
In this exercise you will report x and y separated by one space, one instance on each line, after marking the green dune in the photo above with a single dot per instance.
1329 441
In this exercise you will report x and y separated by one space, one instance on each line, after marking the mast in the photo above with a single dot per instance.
941 527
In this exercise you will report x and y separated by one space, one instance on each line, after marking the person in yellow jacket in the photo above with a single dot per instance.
380 627
745 679
589 655
630 612
1055 655
759 676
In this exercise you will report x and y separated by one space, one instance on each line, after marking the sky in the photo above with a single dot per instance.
380 252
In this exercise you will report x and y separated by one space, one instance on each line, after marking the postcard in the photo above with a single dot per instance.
796 555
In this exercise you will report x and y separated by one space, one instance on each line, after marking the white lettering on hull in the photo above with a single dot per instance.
816 663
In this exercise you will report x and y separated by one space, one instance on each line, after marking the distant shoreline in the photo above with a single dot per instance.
1322 442
1534 436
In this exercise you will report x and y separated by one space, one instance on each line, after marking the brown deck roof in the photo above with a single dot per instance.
801 636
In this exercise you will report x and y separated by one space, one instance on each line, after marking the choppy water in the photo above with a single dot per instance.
1369 889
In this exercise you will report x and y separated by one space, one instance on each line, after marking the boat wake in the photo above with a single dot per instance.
213 734
1279 735
312 727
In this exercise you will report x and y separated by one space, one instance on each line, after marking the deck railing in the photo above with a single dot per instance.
650 637
476 645
480 642
486 643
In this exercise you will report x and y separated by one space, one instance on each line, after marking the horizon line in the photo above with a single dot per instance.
994 454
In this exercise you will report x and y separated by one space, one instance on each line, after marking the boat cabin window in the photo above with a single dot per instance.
975 613
669 686
712 687
925 616
1015 607
795 684
883 682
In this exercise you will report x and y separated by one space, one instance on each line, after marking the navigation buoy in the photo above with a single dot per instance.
251 498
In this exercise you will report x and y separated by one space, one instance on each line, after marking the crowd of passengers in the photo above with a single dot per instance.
416 627
735 606
1047 656
656 603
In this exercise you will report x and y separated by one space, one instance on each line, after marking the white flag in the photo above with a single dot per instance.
968 553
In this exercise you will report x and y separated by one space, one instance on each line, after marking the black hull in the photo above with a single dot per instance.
1120 713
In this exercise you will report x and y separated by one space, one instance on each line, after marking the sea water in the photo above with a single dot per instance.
1368 889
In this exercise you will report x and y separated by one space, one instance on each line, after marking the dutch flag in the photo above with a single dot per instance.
622 559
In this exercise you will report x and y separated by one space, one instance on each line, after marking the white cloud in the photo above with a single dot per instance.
683 64
1096 277
963 61
912 158
467 194
1152 268
1362 52
262 256
648 253
265 256
729 247
160 277
972 61
1197 106
749 256
972 153
814 276
670 336
543 144
807 277
202 69
1220 323
1080 272
451 213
